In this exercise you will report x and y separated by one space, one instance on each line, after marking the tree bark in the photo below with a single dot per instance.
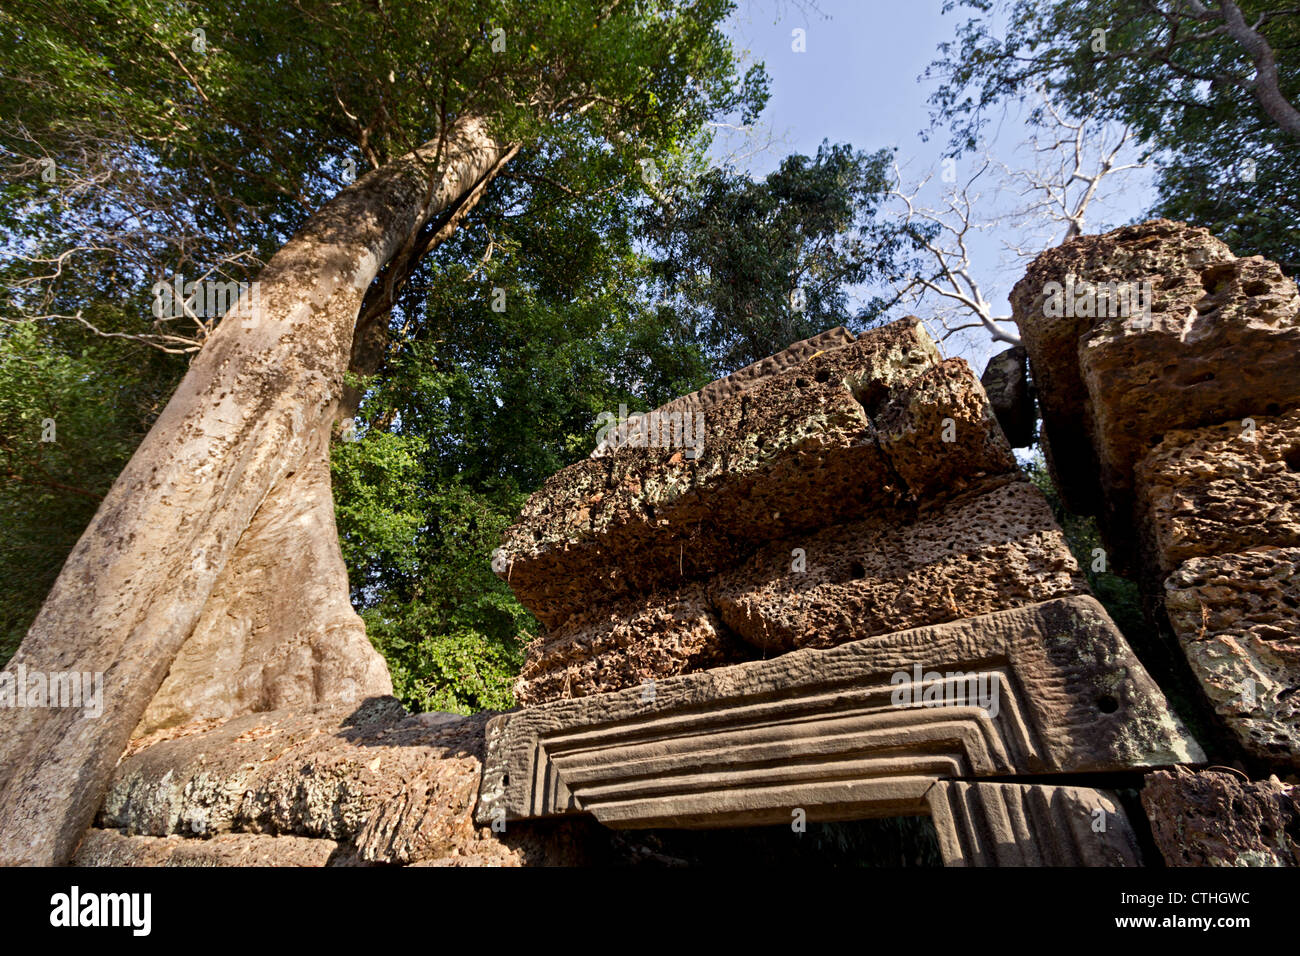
370 343
243 436
278 631
1266 84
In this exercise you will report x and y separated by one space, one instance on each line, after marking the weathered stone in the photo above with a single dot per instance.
1234 352
1009 824
1222 341
114 848
732 385
1215 818
398 789
875 423
626 644
565 844
940 435
793 451
1006 382
889 572
1221 489
379 786
845 733
892 571
1053 343
1238 619
930 436
1226 344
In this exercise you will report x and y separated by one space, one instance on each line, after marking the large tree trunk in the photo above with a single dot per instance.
193 538
278 631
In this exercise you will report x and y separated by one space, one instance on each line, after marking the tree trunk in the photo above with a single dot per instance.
193 538
1266 85
278 631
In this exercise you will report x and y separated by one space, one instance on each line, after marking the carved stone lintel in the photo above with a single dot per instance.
856 731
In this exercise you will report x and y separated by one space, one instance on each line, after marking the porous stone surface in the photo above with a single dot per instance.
383 786
1238 619
1217 818
1221 341
626 644
1006 382
1221 489
1233 353
648 582
875 423
115 848
939 434
891 572
737 382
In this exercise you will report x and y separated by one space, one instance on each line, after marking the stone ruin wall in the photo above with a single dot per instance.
853 604
1179 428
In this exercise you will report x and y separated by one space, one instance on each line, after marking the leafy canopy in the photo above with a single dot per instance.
750 266
1182 83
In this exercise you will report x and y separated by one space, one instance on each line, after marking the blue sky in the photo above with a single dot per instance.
858 82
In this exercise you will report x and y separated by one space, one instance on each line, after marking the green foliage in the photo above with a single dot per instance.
1181 84
452 633
220 148
1118 595
378 503
475 410
755 265
100 398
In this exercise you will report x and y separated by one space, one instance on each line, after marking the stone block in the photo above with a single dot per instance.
1221 489
1006 382
394 788
876 423
1220 340
940 434
743 379
627 644
115 848
890 572
1217 818
1237 617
